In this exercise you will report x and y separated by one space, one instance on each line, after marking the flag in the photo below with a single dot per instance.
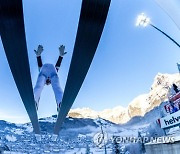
178 65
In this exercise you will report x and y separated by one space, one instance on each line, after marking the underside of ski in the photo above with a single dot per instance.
91 23
12 33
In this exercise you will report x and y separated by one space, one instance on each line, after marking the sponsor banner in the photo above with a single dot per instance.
169 108
170 120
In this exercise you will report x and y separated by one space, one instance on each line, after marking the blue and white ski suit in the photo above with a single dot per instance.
48 71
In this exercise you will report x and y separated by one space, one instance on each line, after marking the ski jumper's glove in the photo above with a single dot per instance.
61 51
39 50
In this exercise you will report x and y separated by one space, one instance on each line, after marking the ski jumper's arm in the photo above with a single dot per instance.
39 61
61 55
38 55
58 64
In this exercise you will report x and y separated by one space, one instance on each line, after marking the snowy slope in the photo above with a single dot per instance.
75 135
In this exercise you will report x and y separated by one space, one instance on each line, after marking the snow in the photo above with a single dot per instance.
49 119
81 136
84 113
11 138
128 133
112 112
29 128
141 103
75 151
88 127
100 122
10 152
17 131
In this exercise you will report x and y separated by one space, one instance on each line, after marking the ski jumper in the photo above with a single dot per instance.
48 71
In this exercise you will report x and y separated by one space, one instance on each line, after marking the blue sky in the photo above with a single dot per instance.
126 62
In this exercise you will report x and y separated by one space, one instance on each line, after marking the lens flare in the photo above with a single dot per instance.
142 20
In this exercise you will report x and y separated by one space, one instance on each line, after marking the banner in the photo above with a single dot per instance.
170 120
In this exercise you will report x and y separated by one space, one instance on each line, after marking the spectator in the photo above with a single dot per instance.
175 87
174 109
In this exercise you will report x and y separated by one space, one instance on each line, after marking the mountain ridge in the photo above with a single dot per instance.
139 106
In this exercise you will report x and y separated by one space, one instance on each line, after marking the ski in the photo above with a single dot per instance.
12 33
91 23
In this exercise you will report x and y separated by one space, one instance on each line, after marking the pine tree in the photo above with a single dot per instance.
87 149
116 149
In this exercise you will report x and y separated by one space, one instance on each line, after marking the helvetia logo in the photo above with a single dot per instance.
172 120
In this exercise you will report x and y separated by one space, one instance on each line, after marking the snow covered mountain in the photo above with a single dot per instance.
138 106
